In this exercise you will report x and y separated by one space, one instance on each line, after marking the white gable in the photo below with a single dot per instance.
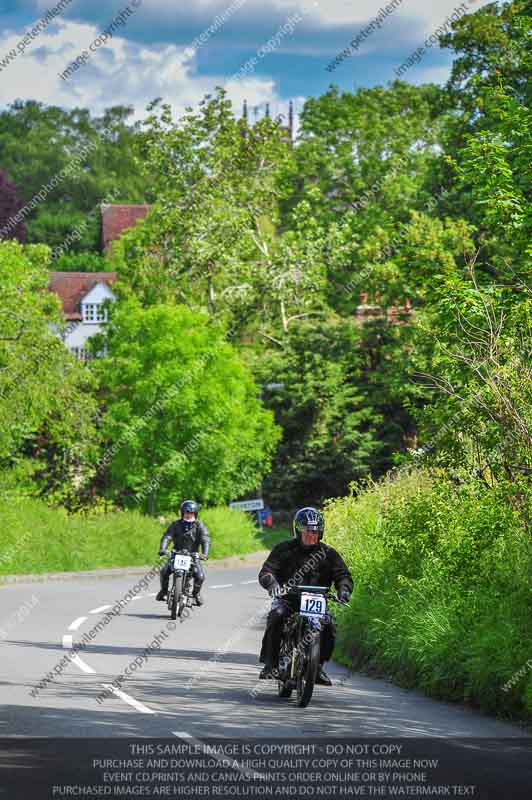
98 294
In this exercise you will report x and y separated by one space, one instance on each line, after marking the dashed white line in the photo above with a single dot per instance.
182 735
76 624
244 583
84 667
130 700
222 586
67 644
99 610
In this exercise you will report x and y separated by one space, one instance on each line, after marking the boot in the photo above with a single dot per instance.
322 679
162 593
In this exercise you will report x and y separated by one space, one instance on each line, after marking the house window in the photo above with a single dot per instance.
81 354
94 312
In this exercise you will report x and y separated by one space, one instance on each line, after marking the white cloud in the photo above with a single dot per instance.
119 72
345 12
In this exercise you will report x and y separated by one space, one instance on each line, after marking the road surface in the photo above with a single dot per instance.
201 682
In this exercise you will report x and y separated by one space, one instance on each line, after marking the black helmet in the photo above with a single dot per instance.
190 506
308 518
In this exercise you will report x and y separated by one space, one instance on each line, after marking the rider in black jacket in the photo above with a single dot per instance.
303 560
187 533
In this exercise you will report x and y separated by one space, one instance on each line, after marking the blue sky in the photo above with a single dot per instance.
150 54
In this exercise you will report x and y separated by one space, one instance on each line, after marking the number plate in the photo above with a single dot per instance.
182 562
312 605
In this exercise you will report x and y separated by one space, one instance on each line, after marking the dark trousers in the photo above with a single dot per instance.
197 572
271 641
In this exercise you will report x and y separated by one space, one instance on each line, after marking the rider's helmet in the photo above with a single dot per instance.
191 507
308 518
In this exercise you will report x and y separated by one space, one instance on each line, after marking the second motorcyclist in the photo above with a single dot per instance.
190 534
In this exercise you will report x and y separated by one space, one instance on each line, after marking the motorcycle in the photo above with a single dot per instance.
181 584
299 656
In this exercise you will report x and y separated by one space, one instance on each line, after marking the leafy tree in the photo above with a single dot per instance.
45 397
182 414
10 205
84 261
329 430
214 237
38 143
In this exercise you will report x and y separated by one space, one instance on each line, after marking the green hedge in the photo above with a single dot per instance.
35 538
442 596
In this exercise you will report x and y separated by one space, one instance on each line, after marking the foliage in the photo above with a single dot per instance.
35 538
10 205
84 261
319 396
38 143
181 410
44 393
442 598
214 238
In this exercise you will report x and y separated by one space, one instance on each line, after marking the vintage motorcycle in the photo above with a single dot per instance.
181 585
299 656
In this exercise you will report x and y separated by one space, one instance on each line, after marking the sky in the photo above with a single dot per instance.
265 51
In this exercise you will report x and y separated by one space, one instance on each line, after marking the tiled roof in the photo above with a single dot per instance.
71 287
118 218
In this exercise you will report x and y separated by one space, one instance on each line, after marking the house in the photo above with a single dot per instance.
83 296
118 218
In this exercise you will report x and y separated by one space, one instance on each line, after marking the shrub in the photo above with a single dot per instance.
442 588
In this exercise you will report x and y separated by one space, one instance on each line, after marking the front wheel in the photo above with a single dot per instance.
181 595
307 678
173 596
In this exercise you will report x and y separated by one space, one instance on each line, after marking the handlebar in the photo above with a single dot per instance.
324 590
170 553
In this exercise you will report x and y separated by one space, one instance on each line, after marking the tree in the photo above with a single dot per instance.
214 237
329 430
74 161
182 414
10 205
45 396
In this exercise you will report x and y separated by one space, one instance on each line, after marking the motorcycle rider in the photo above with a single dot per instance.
187 533
303 560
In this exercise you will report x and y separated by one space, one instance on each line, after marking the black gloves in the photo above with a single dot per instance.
163 553
274 590
344 596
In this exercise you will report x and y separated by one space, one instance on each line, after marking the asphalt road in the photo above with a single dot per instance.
203 681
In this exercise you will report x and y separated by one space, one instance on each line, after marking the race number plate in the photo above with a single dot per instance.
182 562
312 605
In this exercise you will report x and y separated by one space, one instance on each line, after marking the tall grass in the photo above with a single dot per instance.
442 596
35 538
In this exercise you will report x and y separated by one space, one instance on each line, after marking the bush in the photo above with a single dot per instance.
35 538
442 598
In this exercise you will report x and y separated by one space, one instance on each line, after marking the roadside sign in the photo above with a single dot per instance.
248 505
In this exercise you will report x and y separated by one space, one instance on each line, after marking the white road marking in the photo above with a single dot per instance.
83 667
153 594
182 735
98 610
244 583
130 700
76 624
222 586
67 644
